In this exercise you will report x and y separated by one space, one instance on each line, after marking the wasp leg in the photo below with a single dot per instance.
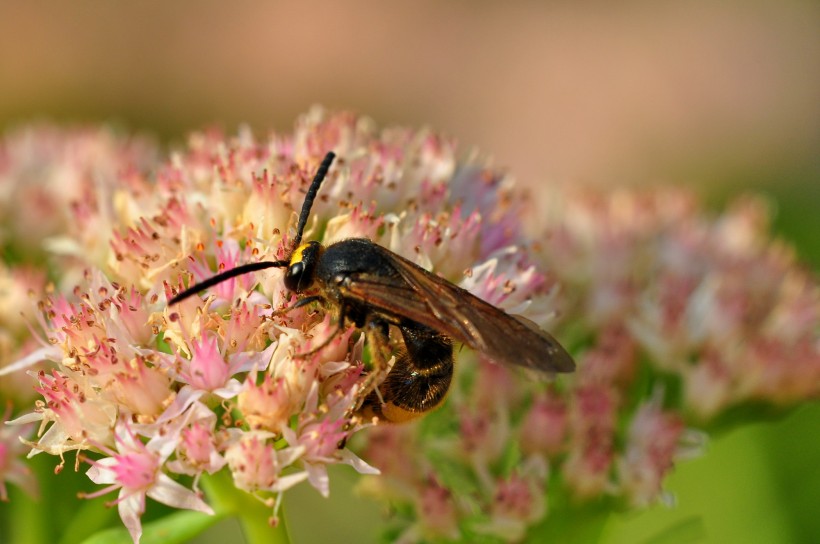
377 334
340 321
298 304
318 348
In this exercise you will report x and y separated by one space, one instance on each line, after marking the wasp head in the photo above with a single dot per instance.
302 267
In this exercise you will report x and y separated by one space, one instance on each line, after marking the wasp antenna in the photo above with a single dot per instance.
226 275
311 195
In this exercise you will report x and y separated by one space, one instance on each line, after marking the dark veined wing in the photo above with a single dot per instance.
425 298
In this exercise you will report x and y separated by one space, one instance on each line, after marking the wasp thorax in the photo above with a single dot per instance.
302 267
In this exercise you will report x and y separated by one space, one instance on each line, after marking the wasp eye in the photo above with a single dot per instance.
302 269
293 277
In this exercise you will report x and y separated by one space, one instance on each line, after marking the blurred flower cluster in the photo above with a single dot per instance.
674 318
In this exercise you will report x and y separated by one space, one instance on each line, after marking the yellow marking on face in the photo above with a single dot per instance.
298 254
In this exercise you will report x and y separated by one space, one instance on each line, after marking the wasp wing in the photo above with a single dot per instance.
418 295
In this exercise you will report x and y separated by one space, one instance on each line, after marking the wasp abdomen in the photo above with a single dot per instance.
419 379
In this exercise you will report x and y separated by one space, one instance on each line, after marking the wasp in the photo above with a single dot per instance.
376 290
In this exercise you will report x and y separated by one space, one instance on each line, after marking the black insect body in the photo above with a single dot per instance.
375 289
349 273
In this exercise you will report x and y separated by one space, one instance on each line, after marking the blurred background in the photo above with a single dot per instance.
723 97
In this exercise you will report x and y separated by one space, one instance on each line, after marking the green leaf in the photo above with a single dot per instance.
572 523
726 488
791 448
91 516
686 530
179 527
453 474
748 412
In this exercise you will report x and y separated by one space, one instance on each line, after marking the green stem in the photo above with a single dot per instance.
26 519
258 531
253 515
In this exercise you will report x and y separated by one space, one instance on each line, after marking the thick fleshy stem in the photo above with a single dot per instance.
253 514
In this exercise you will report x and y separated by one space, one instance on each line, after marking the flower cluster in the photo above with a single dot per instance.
713 304
147 390
59 190
656 300
677 317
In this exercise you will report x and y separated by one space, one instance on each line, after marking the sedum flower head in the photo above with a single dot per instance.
646 289
217 382
713 302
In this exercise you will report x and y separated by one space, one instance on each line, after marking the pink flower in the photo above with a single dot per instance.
130 314
437 512
12 468
591 449
67 178
77 418
518 501
198 448
654 441
208 372
136 385
322 439
545 427
268 405
228 255
135 469
256 465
